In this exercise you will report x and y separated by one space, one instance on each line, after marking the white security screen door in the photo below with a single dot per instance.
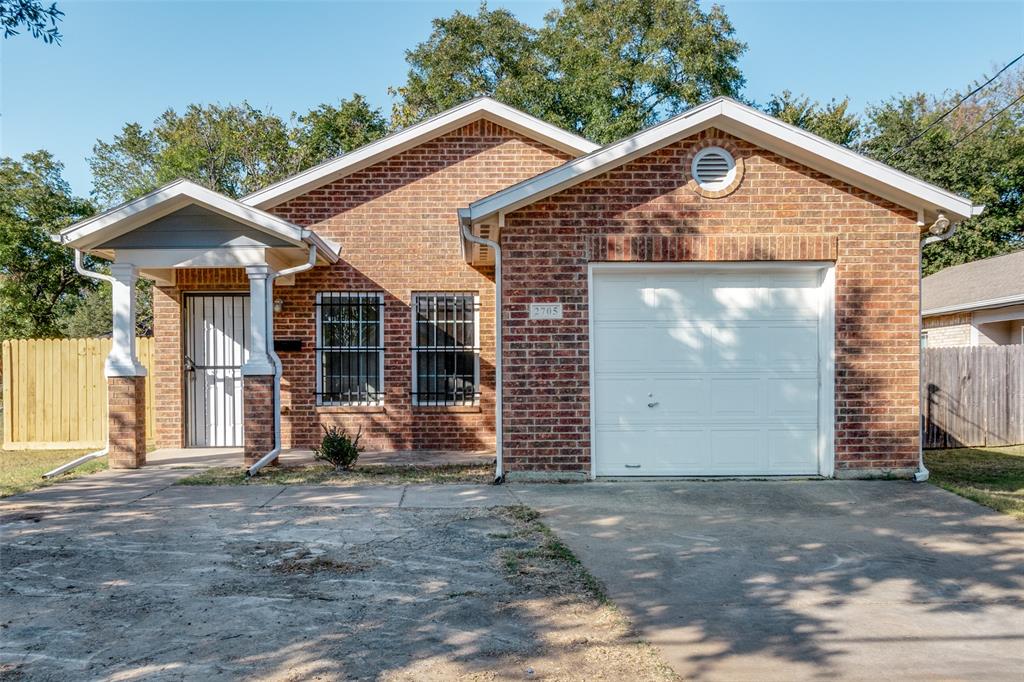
216 347
706 371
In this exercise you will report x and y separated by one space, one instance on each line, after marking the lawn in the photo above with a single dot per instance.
22 470
324 474
993 477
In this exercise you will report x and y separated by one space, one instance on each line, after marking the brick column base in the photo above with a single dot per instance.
126 422
258 423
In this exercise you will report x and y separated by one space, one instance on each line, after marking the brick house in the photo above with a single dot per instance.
718 295
980 303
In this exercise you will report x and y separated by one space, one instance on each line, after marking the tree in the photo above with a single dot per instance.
93 315
33 16
329 131
833 121
38 282
601 68
234 149
618 66
964 154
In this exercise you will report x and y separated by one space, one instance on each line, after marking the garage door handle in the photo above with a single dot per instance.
651 404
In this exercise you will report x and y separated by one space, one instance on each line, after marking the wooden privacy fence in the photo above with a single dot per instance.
55 393
973 396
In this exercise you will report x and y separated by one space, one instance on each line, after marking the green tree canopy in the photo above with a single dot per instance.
977 152
601 68
38 282
833 121
233 149
31 15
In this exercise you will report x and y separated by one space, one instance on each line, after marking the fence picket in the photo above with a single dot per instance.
55 393
973 396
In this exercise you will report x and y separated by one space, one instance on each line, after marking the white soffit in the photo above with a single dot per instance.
749 124
117 221
445 122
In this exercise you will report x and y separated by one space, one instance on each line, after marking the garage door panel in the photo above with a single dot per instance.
736 450
736 397
673 347
651 453
616 346
622 298
791 347
678 397
793 450
728 361
792 397
623 399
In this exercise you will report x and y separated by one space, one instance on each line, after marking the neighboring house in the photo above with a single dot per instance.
975 304
720 294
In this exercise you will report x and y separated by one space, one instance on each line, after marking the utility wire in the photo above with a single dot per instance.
954 108
987 121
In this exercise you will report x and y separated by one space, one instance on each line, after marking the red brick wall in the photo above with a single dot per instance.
779 211
257 417
397 226
126 422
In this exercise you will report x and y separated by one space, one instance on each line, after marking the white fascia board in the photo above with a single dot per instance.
975 305
177 195
749 124
443 123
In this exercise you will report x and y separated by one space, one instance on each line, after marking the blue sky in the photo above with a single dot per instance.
128 61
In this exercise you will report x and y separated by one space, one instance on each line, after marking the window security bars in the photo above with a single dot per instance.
349 348
445 351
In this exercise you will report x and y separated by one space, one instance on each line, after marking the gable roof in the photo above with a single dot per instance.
445 122
987 283
745 122
98 229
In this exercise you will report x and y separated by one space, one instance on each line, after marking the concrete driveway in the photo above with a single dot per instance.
801 580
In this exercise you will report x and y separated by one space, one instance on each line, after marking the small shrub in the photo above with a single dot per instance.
338 448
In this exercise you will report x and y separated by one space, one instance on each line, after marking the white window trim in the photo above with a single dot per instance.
319 345
415 345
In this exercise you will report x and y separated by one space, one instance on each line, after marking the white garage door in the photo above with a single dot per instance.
706 372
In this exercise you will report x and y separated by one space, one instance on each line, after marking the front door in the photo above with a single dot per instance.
216 346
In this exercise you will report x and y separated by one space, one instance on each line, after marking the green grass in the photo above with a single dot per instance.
993 477
324 474
22 470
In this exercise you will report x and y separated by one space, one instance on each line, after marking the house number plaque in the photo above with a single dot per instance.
545 311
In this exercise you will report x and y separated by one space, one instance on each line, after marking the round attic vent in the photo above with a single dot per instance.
713 168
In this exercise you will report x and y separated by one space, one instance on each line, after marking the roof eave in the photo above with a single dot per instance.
750 124
407 138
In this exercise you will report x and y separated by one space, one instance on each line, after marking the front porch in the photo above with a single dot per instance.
223 388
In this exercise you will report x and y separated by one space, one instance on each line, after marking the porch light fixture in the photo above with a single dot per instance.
278 305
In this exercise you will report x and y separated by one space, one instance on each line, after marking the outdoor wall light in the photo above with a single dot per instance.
278 305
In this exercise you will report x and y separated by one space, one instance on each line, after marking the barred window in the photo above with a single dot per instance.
445 352
349 348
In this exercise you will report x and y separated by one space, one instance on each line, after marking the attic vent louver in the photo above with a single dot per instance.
713 168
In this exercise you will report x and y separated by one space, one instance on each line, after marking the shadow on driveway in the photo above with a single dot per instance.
794 580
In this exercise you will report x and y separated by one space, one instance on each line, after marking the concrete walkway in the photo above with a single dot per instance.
849 580
155 488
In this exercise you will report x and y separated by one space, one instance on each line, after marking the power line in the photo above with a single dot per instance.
954 108
989 120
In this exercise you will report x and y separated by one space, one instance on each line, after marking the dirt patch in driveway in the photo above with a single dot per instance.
304 593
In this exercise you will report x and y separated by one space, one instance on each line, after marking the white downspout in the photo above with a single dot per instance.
75 463
467 232
272 455
940 230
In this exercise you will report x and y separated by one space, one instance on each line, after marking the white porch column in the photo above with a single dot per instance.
259 362
123 360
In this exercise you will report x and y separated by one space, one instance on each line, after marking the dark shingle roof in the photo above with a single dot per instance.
964 286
